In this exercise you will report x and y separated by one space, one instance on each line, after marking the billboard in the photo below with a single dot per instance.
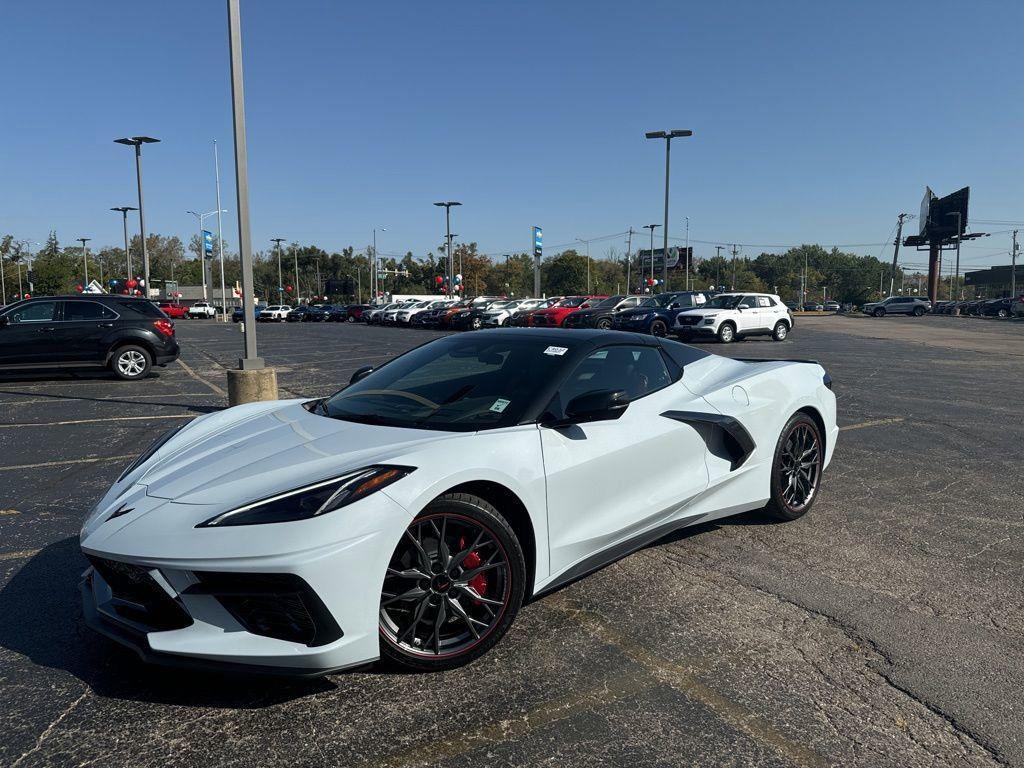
538 242
926 206
207 242
939 214
677 257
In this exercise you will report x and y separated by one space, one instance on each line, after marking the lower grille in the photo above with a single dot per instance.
138 598
683 320
278 605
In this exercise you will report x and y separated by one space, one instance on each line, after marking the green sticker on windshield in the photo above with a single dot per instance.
500 405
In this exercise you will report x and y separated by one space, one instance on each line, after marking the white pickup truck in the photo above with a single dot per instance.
202 309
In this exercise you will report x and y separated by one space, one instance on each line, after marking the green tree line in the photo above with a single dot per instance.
305 269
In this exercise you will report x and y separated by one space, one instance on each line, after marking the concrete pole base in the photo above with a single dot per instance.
251 386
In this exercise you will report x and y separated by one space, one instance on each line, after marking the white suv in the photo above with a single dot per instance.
274 313
202 309
729 316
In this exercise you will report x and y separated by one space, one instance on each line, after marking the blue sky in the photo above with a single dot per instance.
813 121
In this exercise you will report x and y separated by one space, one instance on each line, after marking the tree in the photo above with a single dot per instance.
565 274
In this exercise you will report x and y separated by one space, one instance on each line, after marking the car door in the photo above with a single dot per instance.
748 320
81 333
610 481
27 336
769 312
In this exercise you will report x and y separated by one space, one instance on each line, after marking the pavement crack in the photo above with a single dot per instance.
49 729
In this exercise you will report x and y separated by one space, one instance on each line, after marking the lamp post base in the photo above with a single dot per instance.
251 385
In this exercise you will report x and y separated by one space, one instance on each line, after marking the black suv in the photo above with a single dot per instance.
127 335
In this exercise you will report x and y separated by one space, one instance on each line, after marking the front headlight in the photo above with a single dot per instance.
709 320
148 453
312 500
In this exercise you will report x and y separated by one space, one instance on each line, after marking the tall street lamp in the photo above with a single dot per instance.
137 142
587 243
448 239
85 258
202 245
123 210
220 235
667 136
373 270
652 227
280 279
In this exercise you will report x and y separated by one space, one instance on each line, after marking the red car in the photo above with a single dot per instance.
173 311
554 316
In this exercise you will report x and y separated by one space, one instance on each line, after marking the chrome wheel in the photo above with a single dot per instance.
131 363
447 588
800 467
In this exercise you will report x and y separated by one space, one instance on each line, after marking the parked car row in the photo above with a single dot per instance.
1004 307
305 313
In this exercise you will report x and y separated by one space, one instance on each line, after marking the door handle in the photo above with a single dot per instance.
47 330
106 325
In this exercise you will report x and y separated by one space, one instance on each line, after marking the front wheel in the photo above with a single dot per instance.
131 363
726 333
879 312
918 311
780 332
658 328
604 324
476 323
454 585
796 469
1003 313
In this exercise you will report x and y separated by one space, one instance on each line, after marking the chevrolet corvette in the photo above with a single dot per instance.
409 516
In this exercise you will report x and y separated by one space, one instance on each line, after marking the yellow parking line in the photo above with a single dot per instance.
23 555
95 460
199 378
875 423
100 421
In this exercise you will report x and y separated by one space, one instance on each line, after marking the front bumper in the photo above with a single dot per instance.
256 599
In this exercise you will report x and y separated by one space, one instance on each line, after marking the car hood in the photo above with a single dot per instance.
245 454
701 312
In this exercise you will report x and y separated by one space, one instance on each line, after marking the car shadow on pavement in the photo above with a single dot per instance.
42 621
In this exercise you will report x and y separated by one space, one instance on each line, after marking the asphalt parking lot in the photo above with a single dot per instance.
885 628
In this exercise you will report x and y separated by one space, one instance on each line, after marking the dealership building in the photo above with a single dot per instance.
994 281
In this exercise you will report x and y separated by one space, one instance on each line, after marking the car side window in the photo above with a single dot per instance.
750 301
86 310
35 312
638 371
764 301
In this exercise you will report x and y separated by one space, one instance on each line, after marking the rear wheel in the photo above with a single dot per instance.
130 363
453 586
796 469
781 331
727 333
658 328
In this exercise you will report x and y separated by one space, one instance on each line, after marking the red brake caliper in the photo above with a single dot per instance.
473 560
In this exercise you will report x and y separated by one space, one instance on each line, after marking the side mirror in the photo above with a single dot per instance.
602 405
743 306
361 374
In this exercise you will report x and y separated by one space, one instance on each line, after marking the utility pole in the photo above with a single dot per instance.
718 265
686 253
652 227
733 286
629 247
295 255
896 249
280 280
220 236
667 136
1013 267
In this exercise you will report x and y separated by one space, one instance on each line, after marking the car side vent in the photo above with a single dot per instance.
734 436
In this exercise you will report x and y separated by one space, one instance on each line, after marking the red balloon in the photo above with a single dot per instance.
27 296
124 291
288 288
138 293
439 279
131 282
79 288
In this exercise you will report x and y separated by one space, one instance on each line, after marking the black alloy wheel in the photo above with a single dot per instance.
453 586
658 328
918 311
604 323
796 469
879 312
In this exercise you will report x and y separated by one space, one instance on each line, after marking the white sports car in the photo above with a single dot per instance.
411 514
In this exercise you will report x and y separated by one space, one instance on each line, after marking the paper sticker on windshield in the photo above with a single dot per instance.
556 351
500 405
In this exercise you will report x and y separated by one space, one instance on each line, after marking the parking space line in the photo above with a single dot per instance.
23 555
199 378
100 421
874 423
92 460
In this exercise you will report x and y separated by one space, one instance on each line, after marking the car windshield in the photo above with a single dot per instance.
726 301
609 302
458 384
572 301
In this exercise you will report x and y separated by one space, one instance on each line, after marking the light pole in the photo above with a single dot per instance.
280 279
959 218
651 227
123 210
85 258
295 255
202 245
137 142
686 252
448 239
373 270
667 136
587 243
220 235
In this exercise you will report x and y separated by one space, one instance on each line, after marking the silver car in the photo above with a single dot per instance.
898 305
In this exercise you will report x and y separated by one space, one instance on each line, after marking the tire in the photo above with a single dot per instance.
726 333
131 362
350 319
658 328
879 312
475 324
789 500
1002 313
781 331
604 324
433 623
918 311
